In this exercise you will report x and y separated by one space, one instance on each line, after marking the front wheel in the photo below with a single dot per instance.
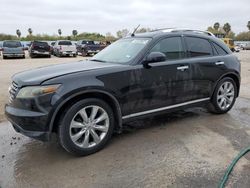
86 126
224 96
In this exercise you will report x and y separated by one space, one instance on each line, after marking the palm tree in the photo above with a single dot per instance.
18 33
227 28
30 31
216 26
248 25
74 33
60 32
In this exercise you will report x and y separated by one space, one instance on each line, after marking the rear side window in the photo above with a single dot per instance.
171 47
198 47
219 50
64 43
12 44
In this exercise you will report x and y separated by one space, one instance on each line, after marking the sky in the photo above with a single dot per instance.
47 16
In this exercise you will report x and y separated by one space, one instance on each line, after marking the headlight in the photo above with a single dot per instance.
33 91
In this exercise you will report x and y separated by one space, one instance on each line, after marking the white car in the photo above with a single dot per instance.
237 48
64 48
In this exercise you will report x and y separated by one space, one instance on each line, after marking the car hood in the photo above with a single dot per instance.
38 75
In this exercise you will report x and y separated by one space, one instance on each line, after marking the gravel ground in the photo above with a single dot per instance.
190 148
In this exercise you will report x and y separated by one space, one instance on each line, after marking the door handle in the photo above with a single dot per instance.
219 63
182 68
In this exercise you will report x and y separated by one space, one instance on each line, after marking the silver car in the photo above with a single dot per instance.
12 48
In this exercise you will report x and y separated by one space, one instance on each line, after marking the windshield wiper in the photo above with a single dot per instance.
98 60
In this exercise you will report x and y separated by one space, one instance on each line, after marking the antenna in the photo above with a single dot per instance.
133 34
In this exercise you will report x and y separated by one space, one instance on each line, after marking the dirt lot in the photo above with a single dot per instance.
191 148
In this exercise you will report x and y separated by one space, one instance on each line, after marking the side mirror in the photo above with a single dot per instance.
154 57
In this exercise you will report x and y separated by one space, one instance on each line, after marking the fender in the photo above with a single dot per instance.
119 114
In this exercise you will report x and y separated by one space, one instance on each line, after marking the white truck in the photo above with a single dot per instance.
64 48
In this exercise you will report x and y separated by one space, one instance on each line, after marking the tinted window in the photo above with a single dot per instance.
198 47
171 47
40 43
12 44
219 50
64 43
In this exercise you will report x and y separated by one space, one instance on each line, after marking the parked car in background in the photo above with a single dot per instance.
39 49
88 47
237 48
139 76
12 48
246 46
52 44
64 48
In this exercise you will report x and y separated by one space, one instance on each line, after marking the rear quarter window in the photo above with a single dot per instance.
198 47
219 50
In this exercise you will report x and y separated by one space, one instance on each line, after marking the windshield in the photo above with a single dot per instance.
88 42
65 43
12 44
121 51
40 43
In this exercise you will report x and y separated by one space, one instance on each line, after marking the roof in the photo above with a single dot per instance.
169 31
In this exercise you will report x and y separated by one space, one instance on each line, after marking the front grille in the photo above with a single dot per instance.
13 89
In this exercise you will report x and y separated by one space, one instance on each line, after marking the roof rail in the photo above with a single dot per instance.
185 30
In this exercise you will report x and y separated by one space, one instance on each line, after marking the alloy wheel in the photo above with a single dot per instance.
225 95
89 126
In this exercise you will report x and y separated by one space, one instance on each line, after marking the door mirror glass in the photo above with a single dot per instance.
155 57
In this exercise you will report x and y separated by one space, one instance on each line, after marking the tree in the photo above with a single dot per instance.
227 28
18 33
109 37
248 25
30 31
122 33
216 26
74 33
243 36
60 32
143 30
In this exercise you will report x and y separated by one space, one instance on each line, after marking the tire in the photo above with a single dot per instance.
4 57
224 96
74 55
77 143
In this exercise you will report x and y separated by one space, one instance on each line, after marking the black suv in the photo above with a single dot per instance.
39 49
137 76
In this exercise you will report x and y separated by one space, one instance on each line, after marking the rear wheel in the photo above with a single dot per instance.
224 96
86 126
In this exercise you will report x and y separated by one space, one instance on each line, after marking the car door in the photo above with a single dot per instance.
164 83
206 68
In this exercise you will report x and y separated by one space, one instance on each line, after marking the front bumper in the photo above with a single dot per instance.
29 123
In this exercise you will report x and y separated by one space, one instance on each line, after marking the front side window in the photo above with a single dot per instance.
198 47
171 47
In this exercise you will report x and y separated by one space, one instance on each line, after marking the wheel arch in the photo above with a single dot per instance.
232 75
99 94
